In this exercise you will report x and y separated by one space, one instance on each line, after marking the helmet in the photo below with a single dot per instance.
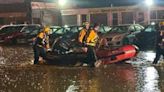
85 23
161 23
47 29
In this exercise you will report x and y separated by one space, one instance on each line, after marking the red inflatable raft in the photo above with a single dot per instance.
120 54
105 55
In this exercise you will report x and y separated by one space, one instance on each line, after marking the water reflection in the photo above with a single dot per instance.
149 55
46 78
67 79
15 55
113 78
149 79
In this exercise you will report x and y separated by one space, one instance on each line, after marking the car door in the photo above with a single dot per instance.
133 31
30 32
146 38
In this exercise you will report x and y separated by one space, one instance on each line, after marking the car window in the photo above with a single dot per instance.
53 30
119 29
107 28
66 29
150 29
11 29
101 29
5 29
28 29
32 30
104 29
58 31
74 29
80 28
131 29
139 27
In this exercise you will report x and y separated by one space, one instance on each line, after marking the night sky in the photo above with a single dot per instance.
107 3
94 3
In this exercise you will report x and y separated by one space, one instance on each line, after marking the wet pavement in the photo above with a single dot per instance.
17 74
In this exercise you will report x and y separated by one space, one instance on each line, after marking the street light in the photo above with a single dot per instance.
62 2
61 5
149 3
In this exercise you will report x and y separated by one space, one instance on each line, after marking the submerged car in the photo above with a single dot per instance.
67 51
71 32
146 39
58 32
23 33
122 35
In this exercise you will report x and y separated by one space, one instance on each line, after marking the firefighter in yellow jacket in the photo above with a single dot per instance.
89 39
82 35
41 44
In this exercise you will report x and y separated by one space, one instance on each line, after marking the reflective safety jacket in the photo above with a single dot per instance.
82 35
88 37
42 40
92 38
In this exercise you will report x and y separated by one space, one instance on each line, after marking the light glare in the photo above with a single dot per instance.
62 2
149 2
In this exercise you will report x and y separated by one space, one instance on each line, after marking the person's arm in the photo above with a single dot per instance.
81 35
93 37
90 37
40 39
47 43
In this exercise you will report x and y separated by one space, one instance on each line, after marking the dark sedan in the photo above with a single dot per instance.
122 35
18 33
146 39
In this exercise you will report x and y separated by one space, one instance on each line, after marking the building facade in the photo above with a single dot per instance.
114 15
49 13
45 13
14 11
29 11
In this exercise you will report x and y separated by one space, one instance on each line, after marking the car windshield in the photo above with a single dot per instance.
150 28
119 29
124 29
32 30
104 29
11 29
57 31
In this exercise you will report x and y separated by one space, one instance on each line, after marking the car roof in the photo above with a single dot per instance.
17 25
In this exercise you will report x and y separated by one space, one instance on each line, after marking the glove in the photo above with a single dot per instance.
48 50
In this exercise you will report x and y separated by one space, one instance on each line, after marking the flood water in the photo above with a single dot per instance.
17 74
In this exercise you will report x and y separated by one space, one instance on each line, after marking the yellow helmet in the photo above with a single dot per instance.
85 23
47 29
161 23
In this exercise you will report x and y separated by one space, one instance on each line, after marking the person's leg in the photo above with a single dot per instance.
87 59
43 53
158 54
36 55
92 56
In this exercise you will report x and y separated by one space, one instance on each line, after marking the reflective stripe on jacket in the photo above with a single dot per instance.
42 40
82 35
92 38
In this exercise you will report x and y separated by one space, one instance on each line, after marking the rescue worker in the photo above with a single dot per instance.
159 43
89 40
83 33
41 44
